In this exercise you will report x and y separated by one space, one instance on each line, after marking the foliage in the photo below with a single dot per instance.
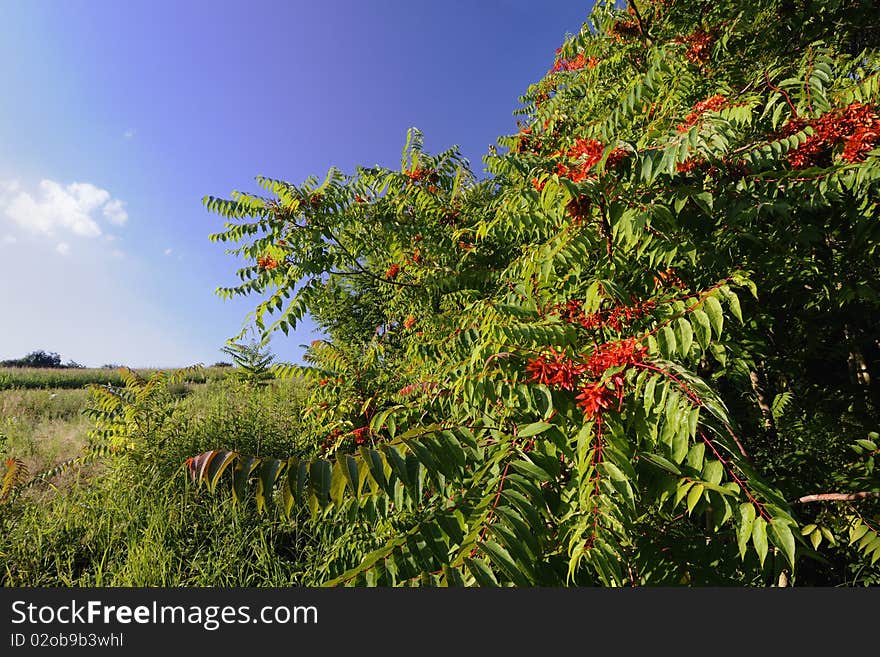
631 355
254 362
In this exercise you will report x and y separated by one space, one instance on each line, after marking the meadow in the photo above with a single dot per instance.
139 520
73 378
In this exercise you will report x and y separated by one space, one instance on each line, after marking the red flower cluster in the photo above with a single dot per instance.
579 208
713 103
690 164
526 142
699 45
393 271
614 318
575 64
267 262
538 184
418 174
624 29
586 153
361 435
595 398
409 389
409 321
614 354
615 157
554 369
359 199
856 126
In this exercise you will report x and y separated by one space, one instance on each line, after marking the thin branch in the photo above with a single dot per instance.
836 497
642 28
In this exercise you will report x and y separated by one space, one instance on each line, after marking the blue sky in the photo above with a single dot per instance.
118 117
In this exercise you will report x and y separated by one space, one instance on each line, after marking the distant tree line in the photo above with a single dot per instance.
40 358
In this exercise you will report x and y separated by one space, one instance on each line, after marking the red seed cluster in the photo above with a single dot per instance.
614 354
624 30
409 321
361 435
392 271
614 318
558 370
586 153
526 142
418 175
267 262
579 208
713 104
615 157
595 398
425 386
690 164
538 184
575 64
856 126
554 369
699 45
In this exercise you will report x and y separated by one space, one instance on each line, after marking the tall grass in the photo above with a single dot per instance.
139 521
66 378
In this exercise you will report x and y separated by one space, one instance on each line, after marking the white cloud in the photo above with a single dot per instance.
115 213
168 252
128 134
9 239
56 208
116 253
63 248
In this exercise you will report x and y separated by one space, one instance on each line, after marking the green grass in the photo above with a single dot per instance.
137 520
12 378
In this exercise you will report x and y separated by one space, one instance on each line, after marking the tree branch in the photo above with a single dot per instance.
638 15
836 497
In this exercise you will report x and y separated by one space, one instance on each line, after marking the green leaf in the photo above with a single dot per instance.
759 538
733 302
320 479
217 466
481 572
687 336
337 483
745 518
695 456
352 475
502 559
533 429
713 471
716 315
694 495
666 338
649 393
660 462
780 533
702 328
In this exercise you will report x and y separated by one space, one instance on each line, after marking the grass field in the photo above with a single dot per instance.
137 520
65 378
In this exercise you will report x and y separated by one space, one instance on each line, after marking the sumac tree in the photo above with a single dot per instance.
644 351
